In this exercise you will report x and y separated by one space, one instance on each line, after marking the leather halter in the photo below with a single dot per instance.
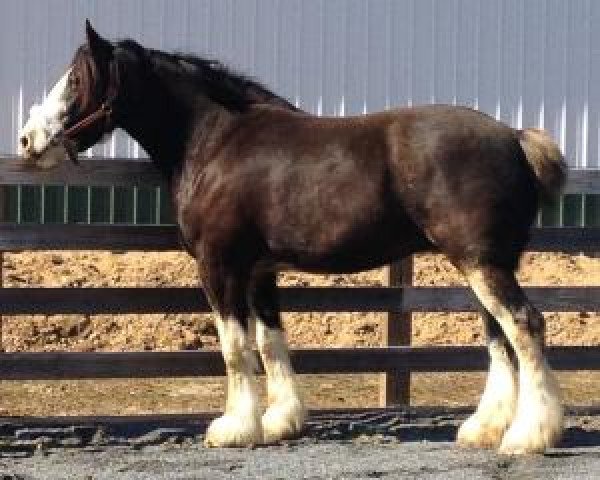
104 112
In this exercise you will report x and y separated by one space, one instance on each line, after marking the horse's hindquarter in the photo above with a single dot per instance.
463 177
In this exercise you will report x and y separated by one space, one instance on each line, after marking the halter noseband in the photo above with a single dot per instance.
104 112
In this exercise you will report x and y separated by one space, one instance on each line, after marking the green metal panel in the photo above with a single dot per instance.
53 207
152 205
100 204
550 214
146 205
592 210
167 216
31 204
9 210
77 204
123 205
572 211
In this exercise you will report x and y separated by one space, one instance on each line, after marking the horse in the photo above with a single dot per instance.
258 185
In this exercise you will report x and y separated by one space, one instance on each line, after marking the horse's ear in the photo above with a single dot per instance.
100 48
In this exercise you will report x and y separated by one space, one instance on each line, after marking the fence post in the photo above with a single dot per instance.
3 218
394 386
1 286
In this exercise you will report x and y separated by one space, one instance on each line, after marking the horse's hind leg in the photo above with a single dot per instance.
285 414
496 408
240 425
538 420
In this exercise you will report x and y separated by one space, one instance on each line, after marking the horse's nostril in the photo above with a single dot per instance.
24 141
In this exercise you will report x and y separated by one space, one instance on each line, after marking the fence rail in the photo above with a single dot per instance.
76 365
165 237
92 301
136 172
396 359
123 172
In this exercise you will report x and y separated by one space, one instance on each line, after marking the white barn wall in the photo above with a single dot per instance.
527 62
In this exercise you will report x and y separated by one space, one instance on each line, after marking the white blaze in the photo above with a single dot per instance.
45 120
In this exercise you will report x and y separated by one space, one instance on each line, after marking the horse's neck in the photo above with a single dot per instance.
167 132
174 122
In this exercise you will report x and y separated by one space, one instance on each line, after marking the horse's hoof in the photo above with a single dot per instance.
474 433
234 431
538 423
530 439
534 431
283 421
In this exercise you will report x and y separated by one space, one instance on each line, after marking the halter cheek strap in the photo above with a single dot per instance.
105 112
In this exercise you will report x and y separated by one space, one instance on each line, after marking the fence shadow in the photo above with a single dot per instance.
578 437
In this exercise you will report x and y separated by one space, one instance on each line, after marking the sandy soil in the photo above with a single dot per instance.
183 331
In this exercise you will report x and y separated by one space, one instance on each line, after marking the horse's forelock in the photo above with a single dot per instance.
84 66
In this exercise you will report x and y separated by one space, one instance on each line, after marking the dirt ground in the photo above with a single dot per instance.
184 331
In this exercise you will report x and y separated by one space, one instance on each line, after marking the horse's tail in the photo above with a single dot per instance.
545 159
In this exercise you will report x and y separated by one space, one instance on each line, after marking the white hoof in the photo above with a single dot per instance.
485 428
234 431
533 434
538 424
477 432
283 421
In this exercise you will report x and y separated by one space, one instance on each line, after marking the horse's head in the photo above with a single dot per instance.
79 110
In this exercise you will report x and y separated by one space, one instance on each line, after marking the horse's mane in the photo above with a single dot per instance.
234 91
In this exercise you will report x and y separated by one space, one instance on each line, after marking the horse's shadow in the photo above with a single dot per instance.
573 437
397 433
377 428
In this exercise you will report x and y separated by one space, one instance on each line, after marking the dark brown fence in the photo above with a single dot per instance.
396 360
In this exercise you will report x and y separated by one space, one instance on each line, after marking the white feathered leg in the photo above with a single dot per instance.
240 425
496 408
538 421
285 415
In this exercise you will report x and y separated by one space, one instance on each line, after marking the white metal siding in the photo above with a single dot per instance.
527 62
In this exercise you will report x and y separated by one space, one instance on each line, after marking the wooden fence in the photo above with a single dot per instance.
395 360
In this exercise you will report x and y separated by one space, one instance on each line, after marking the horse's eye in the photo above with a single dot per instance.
74 80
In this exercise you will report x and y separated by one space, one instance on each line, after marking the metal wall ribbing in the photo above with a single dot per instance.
527 62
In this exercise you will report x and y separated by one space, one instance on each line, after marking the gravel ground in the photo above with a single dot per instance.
360 445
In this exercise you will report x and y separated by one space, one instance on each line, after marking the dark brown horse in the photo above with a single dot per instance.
258 185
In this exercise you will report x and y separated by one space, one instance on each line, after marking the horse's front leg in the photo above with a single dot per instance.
285 414
240 425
